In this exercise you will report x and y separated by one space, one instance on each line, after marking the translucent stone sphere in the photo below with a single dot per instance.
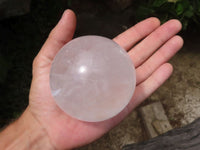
92 78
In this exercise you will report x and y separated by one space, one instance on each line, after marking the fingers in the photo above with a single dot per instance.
60 35
143 91
146 88
156 39
131 36
168 50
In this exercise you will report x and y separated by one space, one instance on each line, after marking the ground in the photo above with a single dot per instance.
21 38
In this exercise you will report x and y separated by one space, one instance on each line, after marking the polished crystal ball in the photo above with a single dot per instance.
92 78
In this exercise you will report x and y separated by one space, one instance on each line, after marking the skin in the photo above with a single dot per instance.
44 125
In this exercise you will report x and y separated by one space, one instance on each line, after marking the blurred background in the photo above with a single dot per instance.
25 24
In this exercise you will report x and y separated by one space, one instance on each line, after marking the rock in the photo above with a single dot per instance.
10 8
161 126
154 119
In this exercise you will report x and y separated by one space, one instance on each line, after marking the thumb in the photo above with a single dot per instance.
59 36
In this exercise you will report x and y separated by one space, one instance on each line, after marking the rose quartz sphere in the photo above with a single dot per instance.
92 78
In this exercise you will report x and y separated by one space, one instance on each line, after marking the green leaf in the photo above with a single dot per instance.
173 1
158 3
185 24
179 9
185 3
190 12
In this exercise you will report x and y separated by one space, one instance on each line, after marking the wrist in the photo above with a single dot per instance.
26 133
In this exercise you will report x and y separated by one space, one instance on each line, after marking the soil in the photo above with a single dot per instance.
182 102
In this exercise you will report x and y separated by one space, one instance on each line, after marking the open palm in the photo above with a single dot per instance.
158 44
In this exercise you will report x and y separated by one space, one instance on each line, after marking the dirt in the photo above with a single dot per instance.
127 132
181 94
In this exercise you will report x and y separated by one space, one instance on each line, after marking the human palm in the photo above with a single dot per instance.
158 44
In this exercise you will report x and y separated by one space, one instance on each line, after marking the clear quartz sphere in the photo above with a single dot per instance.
92 78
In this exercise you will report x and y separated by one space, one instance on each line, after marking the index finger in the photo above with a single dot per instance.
134 34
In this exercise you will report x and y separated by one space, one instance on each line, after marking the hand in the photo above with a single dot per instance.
157 45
